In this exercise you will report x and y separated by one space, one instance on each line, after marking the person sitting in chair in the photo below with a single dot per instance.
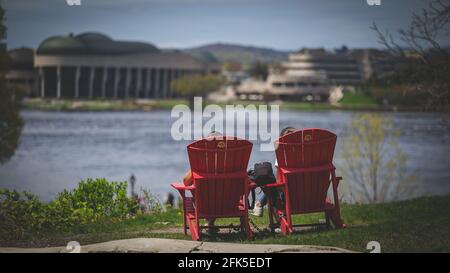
188 181
262 200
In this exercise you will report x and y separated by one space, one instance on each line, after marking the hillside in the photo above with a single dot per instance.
221 52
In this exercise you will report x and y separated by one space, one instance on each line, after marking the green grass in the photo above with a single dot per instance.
99 104
349 102
308 106
169 103
357 99
420 225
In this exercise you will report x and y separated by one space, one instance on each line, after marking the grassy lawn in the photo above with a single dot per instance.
420 225
349 102
357 99
99 104
307 106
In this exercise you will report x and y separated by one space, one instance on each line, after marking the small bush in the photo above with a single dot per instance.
149 203
92 201
103 198
19 212
374 164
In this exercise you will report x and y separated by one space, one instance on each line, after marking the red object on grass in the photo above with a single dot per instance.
305 173
220 183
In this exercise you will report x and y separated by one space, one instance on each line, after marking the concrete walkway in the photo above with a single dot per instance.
155 245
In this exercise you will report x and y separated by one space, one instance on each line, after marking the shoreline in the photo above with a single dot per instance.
148 105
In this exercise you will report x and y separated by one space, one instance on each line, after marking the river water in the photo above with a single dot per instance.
58 149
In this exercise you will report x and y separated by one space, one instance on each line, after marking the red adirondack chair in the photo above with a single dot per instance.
305 172
220 183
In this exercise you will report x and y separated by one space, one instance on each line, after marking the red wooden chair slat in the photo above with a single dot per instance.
305 166
220 184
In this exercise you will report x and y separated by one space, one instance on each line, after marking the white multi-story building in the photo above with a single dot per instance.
314 72
338 68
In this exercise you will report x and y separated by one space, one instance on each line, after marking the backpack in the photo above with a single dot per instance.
261 174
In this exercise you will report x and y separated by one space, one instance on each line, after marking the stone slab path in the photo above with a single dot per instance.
156 245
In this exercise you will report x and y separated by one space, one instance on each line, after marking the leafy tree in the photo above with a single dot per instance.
10 121
196 85
375 166
259 70
425 59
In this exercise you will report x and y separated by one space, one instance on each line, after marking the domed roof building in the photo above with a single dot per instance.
93 65
91 43
93 36
21 70
59 45
21 57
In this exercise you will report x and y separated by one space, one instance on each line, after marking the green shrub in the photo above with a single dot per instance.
150 202
92 201
103 198
374 165
19 213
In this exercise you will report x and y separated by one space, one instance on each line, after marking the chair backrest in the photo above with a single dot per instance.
222 162
307 149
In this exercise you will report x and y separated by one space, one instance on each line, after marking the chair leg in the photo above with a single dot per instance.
335 217
327 215
185 216
283 221
184 225
248 231
284 226
185 220
194 229
270 208
287 217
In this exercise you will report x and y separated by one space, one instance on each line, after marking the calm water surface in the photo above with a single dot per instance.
59 149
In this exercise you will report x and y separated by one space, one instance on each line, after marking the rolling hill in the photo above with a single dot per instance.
221 52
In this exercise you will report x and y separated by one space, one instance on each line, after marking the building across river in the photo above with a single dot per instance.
92 65
22 73
313 73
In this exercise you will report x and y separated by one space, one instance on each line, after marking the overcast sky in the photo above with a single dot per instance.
279 24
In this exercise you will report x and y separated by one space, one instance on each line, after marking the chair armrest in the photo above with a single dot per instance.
181 187
252 185
338 179
273 185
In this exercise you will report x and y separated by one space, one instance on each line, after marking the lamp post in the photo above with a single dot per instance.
132 183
